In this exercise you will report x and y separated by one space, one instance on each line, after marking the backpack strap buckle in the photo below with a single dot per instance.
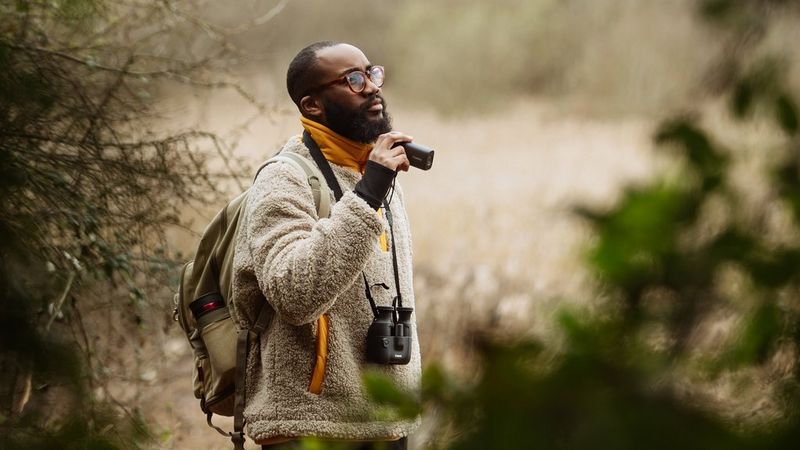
238 439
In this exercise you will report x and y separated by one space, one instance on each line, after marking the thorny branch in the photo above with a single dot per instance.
96 185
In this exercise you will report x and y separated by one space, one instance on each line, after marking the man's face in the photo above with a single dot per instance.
360 116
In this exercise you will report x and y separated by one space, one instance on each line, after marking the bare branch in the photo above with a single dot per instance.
217 32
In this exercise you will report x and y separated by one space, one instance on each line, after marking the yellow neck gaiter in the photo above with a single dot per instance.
343 152
337 148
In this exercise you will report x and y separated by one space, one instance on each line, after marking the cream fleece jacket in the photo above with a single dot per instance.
306 266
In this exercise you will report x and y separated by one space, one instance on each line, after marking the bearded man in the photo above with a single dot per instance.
321 277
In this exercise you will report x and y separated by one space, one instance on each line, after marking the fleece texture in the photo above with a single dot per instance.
304 266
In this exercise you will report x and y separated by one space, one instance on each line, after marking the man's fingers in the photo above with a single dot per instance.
397 151
399 156
387 153
387 140
405 165
402 162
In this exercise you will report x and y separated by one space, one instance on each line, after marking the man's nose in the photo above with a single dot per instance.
370 88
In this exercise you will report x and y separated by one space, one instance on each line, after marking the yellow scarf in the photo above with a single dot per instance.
337 148
343 152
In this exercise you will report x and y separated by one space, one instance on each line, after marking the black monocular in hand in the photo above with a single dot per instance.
418 155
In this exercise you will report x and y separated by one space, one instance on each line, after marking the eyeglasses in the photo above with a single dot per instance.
357 79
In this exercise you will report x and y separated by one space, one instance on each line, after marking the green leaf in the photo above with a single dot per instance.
717 9
703 156
319 444
638 237
434 383
787 178
758 336
742 99
384 392
774 269
137 295
786 113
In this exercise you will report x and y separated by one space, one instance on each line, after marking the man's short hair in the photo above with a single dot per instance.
302 73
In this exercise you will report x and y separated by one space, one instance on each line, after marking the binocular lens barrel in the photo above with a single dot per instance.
404 319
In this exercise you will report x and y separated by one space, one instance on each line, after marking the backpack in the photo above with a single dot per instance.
204 295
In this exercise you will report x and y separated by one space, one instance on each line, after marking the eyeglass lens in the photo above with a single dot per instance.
358 80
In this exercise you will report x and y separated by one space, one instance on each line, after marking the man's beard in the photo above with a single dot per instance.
356 124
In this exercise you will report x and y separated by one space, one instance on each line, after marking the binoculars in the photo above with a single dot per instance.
418 155
389 336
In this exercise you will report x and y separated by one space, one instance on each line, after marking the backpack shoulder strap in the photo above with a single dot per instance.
320 190
243 340
322 201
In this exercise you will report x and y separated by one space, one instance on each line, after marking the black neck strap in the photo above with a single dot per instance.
333 184
368 294
323 165
398 300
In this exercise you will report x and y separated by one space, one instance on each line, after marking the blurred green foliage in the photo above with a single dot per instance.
672 256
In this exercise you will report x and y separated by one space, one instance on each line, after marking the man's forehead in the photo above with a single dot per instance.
341 58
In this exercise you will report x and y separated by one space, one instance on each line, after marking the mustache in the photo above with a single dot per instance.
370 100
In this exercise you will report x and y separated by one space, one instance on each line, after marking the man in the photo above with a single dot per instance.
304 379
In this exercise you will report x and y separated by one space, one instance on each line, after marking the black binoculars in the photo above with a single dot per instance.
418 155
389 337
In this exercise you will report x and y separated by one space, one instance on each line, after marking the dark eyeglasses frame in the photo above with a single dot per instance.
367 76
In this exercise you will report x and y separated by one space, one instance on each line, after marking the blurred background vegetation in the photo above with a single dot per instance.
686 330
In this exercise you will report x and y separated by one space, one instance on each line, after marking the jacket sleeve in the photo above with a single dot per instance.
303 264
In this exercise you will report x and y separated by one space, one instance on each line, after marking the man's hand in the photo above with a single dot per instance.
384 162
385 154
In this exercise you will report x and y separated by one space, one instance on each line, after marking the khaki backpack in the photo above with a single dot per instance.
203 298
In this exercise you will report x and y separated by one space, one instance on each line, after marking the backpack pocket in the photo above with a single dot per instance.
216 369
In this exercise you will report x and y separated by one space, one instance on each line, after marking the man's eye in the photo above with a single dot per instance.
355 78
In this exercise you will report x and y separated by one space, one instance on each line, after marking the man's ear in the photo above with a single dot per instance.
311 106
